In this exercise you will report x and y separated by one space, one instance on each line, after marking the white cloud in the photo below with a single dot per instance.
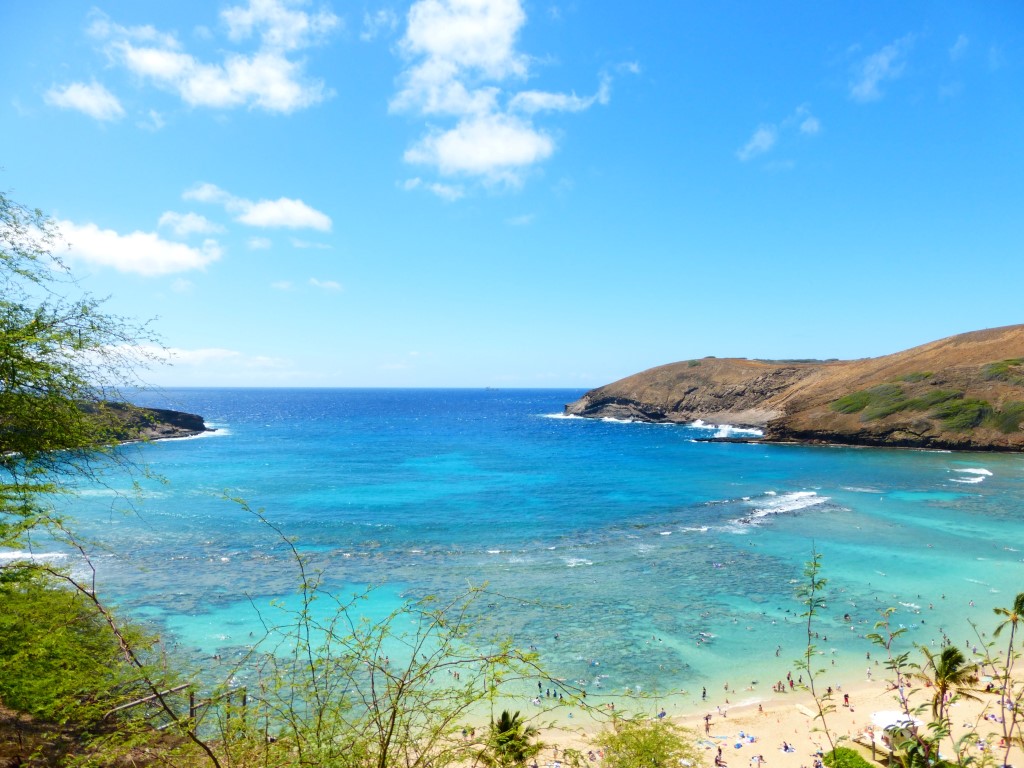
496 147
806 123
885 64
279 26
282 285
469 34
283 212
309 245
143 253
327 285
207 193
449 192
462 53
375 24
258 243
764 139
185 224
91 99
182 286
532 102
810 126
959 48
265 78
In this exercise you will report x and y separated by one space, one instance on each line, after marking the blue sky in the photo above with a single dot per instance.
522 194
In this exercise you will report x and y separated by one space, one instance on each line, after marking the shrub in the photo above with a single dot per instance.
933 398
651 743
1005 370
854 403
961 415
1008 419
844 757
915 377
886 399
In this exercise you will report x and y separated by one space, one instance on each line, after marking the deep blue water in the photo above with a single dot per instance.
670 563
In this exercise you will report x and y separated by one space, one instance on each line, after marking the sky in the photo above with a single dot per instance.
509 193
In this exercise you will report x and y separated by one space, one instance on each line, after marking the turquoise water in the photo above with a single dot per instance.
661 563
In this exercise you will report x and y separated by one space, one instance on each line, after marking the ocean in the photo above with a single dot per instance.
633 557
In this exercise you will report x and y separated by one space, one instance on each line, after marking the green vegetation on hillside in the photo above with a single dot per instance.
957 413
1005 370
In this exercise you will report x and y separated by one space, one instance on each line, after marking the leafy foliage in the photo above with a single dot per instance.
57 658
61 361
844 757
649 743
510 742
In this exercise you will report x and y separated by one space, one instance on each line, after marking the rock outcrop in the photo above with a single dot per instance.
964 392
128 423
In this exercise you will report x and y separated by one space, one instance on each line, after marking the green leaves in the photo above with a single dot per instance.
648 743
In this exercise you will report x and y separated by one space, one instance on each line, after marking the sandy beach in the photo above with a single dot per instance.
754 733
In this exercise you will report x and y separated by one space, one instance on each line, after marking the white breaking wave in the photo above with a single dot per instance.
726 430
977 475
573 562
785 504
560 416
16 555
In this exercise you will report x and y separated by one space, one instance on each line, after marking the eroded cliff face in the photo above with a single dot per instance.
965 392
738 392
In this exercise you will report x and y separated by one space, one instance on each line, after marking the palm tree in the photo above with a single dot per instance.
1013 616
1009 700
510 742
950 675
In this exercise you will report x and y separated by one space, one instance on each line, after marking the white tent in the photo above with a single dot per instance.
893 718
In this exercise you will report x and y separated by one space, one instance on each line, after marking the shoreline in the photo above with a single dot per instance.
761 726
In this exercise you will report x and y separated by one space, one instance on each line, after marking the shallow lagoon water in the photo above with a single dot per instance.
661 562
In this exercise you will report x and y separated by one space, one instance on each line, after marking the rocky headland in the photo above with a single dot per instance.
965 392
130 423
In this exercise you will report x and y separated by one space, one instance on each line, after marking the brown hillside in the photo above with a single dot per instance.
964 392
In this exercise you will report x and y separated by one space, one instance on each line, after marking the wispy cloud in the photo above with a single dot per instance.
885 64
767 135
462 54
309 245
258 243
764 139
142 253
327 285
381 22
283 212
959 48
449 192
185 224
91 99
269 78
